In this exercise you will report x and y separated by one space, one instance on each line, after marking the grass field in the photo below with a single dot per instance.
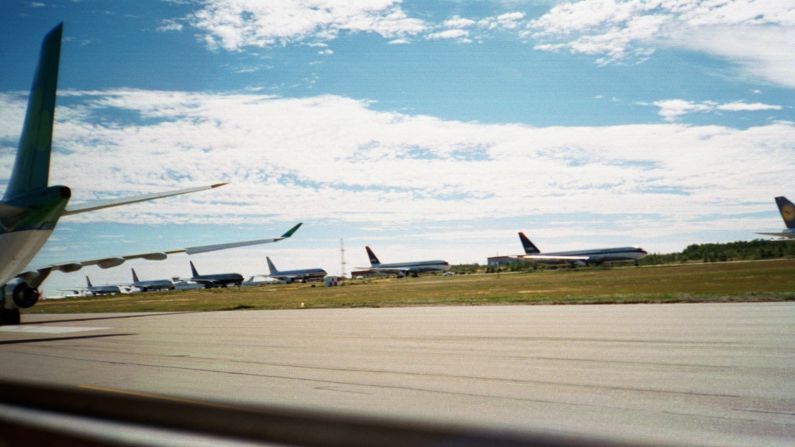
698 282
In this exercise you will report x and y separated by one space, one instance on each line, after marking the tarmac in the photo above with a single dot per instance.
720 374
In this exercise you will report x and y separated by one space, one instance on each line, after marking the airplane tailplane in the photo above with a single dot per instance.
32 165
787 210
88 282
529 247
193 269
373 259
135 277
271 267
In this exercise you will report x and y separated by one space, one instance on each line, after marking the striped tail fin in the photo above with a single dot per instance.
32 165
373 259
529 247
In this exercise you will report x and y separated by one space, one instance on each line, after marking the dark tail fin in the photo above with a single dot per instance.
32 165
135 277
529 247
88 282
787 210
193 269
373 259
271 267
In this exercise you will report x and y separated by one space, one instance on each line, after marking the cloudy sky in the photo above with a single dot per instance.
424 129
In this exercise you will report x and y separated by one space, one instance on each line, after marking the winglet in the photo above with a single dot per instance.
291 231
217 185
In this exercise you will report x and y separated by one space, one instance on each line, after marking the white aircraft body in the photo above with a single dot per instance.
151 284
30 208
581 257
301 275
109 289
406 268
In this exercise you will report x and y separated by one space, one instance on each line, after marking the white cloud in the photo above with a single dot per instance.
170 25
236 25
251 23
671 109
332 158
458 22
757 35
740 106
461 35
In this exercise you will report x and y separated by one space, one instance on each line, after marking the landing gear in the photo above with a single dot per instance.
9 316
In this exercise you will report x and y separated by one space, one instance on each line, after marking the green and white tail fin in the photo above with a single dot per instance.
32 165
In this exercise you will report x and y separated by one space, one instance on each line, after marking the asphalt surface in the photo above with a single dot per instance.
682 374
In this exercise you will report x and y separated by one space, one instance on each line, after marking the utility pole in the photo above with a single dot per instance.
342 258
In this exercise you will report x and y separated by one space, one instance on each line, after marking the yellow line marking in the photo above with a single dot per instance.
151 396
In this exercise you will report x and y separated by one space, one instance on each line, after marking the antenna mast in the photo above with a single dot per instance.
342 258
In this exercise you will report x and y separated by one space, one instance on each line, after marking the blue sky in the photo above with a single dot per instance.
424 129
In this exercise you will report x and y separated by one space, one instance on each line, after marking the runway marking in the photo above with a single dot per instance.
25 329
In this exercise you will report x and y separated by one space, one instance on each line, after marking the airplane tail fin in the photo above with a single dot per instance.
193 269
787 210
271 267
529 247
88 282
32 165
135 277
373 259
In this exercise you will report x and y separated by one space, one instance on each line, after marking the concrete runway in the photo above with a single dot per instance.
691 374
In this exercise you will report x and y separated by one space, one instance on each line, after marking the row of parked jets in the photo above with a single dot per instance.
198 281
31 208
413 268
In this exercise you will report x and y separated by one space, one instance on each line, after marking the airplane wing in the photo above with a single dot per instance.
786 235
100 204
35 277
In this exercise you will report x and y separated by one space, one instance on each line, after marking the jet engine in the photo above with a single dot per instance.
21 294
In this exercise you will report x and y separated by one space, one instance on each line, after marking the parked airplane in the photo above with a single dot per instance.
406 268
101 290
261 280
582 257
216 280
787 210
289 276
30 207
181 284
152 284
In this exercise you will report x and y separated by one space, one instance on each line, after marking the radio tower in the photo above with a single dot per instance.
342 258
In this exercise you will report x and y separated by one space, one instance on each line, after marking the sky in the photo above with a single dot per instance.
424 129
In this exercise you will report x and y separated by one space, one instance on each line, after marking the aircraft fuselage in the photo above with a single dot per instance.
23 234
218 280
600 255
